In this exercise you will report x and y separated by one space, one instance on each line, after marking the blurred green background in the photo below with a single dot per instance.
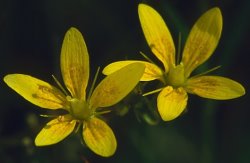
31 34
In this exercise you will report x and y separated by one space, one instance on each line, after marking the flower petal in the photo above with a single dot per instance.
99 137
215 87
151 72
36 91
171 102
75 63
202 40
55 131
117 85
157 35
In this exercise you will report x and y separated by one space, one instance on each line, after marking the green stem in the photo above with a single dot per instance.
208 145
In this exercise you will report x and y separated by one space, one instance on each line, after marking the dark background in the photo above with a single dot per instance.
31 34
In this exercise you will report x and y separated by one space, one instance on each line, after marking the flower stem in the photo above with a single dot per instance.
208 145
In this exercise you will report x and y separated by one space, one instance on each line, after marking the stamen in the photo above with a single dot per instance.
93 84
48 116
146 57
78 125
60 86
152 92
178 58
206 72
102 112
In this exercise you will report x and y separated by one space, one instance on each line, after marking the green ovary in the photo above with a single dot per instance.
175 76
80 109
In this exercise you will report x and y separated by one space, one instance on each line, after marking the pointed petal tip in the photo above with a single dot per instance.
218 13
40 144
216 10
73 29
142 5
7 78
241 91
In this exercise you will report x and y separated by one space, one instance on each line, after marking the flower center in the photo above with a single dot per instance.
80 109
175 76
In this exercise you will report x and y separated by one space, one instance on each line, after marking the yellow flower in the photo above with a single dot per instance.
200 44
82 110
